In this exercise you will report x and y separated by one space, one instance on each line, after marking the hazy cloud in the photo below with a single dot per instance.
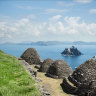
83 1
71 28
27 7
56 10
55 18
61 3
93 11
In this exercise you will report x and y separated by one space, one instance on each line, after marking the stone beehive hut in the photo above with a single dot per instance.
86 72
59 69
31 56
84 79
45 65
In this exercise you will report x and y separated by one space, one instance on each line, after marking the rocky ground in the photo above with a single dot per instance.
47 86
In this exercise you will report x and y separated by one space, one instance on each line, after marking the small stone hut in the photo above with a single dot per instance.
59 69
31 56
45 65
84 79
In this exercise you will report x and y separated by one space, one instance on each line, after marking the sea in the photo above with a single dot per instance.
53 51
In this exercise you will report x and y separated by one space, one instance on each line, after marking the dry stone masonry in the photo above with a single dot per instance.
82 82
84 79
45 65
33 73
59 69
31 56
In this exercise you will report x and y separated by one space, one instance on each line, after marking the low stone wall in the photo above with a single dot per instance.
52 76
68 88
33 73
73 81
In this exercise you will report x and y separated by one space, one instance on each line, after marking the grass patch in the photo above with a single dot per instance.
14 79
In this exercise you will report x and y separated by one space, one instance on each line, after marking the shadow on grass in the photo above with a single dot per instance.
1 94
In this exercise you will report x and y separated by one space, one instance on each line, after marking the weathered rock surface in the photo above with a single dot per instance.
45 65
71 51
37 66
59 69
31 56
84 79
33 73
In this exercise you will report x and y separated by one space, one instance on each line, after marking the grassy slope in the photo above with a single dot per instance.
14 80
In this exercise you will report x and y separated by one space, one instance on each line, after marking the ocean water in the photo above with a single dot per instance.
54 52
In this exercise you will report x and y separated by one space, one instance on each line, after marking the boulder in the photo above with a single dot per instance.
59 69
45 65
84 78
31 56
71 52
37 66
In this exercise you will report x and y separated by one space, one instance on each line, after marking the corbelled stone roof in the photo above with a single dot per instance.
31 56
86 72
84 79
59 69
45 65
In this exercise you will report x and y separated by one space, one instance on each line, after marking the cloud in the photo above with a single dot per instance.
93 11
55 18
56 10
73 28
83 1
56 28
26 7
31 16
60 3
71 20
4 30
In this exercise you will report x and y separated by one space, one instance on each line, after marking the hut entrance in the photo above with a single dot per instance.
53 71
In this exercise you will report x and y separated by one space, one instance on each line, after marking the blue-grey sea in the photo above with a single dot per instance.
54 52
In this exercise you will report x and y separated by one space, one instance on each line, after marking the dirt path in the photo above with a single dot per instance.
52 85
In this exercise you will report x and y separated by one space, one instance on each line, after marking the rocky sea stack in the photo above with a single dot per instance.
83 79
31 56
45 65
59 69
71 52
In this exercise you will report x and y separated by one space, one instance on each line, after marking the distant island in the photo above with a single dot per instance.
73 51
47 43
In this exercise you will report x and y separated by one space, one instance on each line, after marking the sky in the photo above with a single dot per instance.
47 20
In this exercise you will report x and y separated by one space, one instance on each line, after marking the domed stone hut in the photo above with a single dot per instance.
84 79
45 65
59 69
31 56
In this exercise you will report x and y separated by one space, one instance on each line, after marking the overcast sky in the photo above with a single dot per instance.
47 20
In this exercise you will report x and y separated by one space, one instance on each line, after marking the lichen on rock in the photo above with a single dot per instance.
45 65
59 69
31 56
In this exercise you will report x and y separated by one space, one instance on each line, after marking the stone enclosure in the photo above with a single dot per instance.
80 82
83 79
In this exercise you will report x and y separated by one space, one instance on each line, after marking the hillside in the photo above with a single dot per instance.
14 79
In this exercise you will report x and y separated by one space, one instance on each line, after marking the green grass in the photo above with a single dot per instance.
14 79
